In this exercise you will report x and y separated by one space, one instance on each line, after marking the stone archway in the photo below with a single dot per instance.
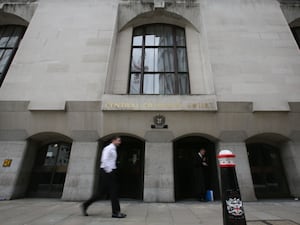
185 149
48 157
266 164
130 163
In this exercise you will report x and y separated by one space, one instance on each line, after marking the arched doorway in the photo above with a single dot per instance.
267 170
130 163
185 150
51 152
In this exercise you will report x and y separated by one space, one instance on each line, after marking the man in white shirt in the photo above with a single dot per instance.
108 179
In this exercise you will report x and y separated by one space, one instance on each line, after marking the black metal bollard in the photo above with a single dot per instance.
233 210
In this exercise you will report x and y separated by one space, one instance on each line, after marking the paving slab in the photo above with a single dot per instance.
57 212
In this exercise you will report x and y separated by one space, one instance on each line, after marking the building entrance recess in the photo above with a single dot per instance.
185 150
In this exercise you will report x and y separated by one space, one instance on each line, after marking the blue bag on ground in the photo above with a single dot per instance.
209 195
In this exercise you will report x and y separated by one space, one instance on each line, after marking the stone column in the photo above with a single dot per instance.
81 174
243 171
11 184
159 172
290 155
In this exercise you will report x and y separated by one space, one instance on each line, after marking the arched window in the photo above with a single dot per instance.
159 61
10 36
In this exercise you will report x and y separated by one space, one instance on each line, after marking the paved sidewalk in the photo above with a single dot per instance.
56 212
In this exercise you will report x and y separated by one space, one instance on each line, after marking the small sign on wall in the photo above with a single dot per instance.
6 162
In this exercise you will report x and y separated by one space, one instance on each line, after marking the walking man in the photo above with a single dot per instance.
108 179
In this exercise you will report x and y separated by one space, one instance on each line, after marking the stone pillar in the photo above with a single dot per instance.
11 184
79 183
159 172
290 155
242 168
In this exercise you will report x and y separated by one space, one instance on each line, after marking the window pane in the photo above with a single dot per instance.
159 35
6 33
151 84
136 61
138 37
4 60
166 59
15 37
151 63
180 37
159 60
135 83
51 154
63 155
181 59
169 84
150 35
137 40
166 36
149 40
1 53
183 84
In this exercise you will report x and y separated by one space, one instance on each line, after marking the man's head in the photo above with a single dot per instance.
202 151
116 140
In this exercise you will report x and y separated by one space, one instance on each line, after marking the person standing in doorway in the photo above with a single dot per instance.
200 173
108 179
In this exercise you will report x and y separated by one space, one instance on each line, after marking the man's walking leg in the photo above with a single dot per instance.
113 191
95 197
86 204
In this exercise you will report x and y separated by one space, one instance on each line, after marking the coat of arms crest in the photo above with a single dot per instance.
159 121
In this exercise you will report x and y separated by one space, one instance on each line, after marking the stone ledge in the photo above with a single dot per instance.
47 106
83 106
294 106
271 106
13 135
14 106
240 107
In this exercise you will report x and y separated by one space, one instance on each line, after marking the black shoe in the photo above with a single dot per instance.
118 215
83 209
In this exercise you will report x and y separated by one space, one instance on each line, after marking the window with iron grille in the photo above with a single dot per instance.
159 61
10 36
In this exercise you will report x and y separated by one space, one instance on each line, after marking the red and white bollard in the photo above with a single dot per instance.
233 210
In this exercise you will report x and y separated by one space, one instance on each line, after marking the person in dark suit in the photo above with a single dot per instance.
108 180
201 166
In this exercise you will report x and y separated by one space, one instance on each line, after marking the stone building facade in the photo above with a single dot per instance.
168 76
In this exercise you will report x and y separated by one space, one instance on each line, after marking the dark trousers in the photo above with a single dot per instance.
108 185
200 185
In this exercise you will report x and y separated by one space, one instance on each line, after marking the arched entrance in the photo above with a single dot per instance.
51 152
185 150
267 170
130 163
